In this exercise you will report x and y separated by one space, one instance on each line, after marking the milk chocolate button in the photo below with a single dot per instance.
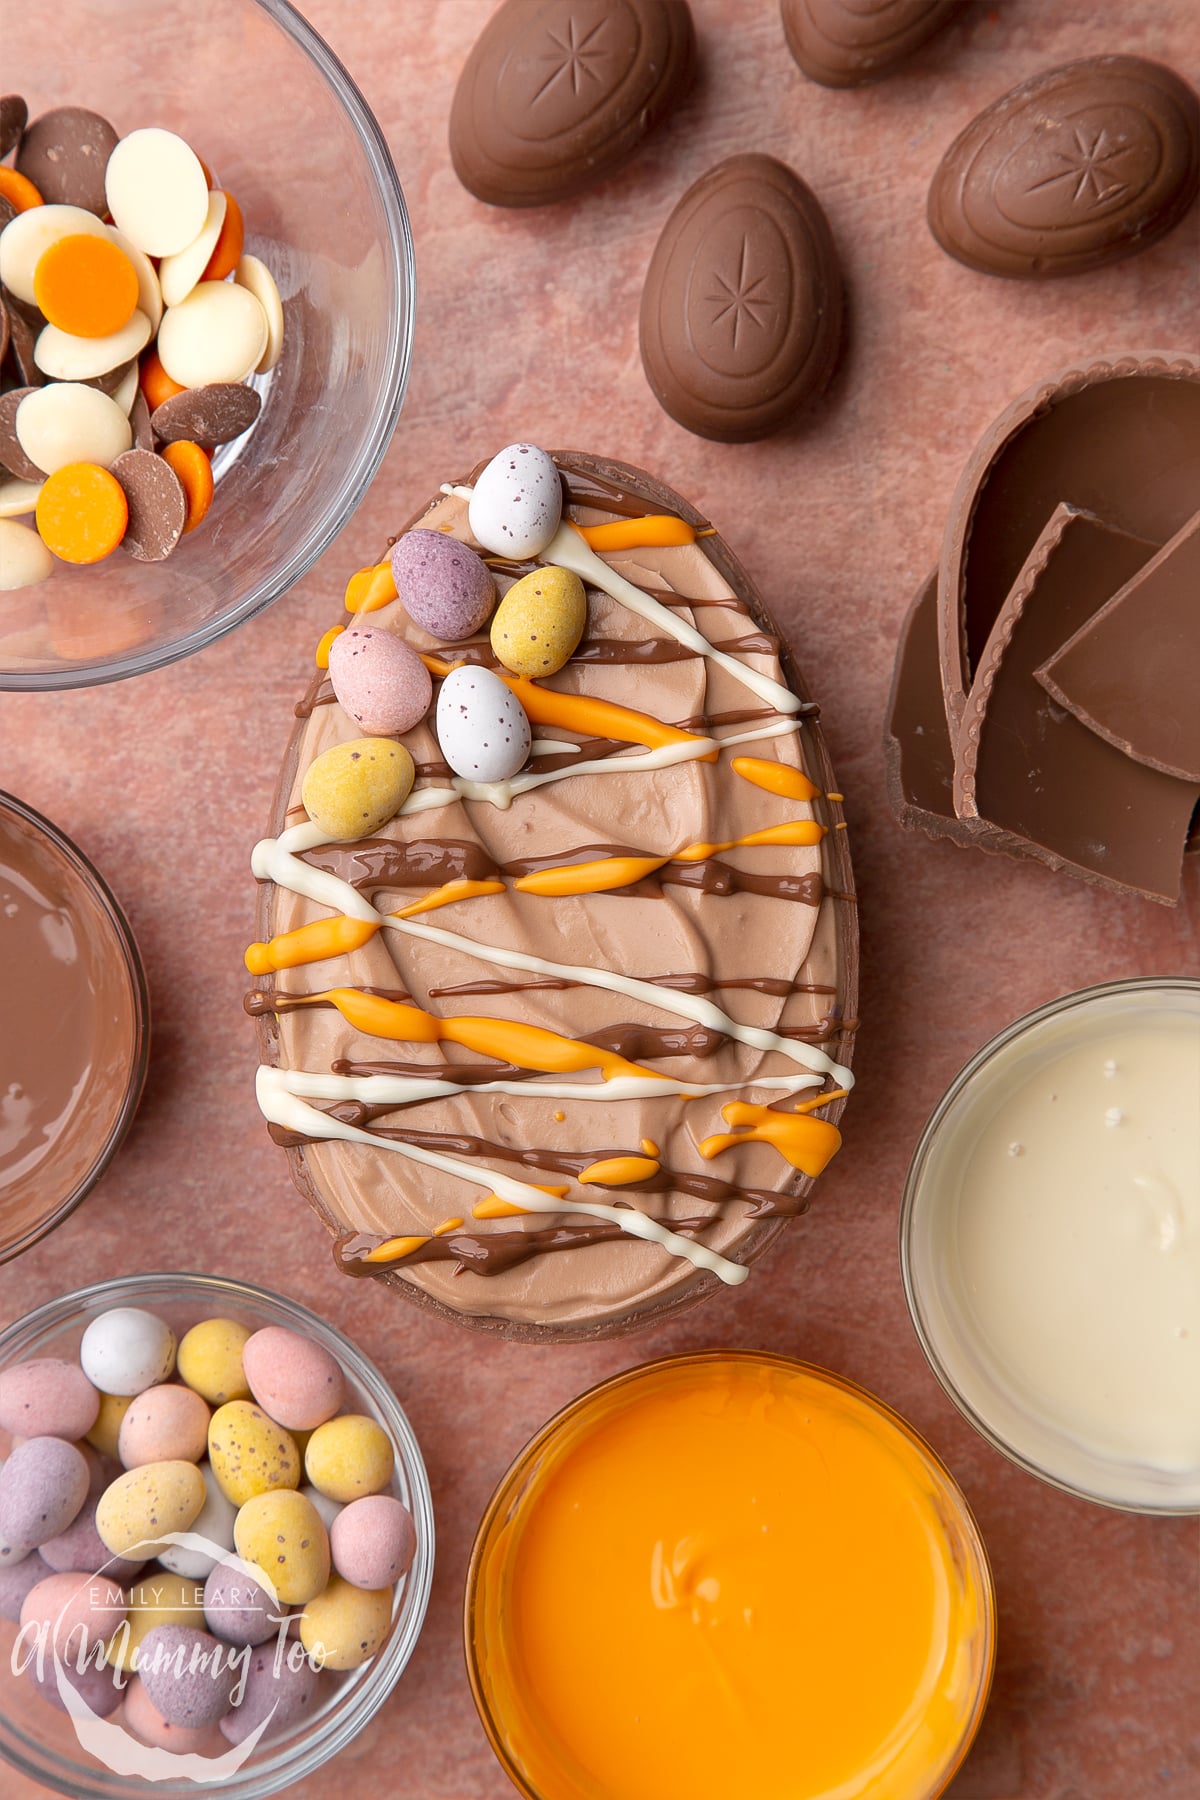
65 154
12 456
13 114
207 416
1079 167
846 43
556 93
741 314
157 504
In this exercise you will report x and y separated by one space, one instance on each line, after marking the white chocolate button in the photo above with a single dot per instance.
150 300
125 392
179 274
66 423
219 333
156 191
25 240
18 497
65 357
24 559
259 281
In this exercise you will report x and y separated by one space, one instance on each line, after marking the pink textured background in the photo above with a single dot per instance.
527 327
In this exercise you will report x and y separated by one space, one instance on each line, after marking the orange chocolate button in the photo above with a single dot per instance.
86 285
82 513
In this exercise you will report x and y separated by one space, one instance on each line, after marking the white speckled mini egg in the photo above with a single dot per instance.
516 505
482 727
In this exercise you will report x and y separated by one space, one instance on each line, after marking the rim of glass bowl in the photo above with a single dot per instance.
518 1477
368 1688
356 479
91 877
910 1203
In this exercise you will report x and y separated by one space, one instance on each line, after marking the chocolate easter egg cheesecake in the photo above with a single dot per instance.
557 978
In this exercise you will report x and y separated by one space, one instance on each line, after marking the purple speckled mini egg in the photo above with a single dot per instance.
380 681
238 1608
444 586
42 1487
188 1674
281 1677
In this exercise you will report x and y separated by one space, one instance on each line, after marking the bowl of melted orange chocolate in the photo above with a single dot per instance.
561 1054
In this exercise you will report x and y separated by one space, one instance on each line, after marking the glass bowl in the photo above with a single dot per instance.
37 1738
1050 1249
92 1035
684 1634
279 121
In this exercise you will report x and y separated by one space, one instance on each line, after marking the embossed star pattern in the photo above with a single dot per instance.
739 300
574 58
1087 167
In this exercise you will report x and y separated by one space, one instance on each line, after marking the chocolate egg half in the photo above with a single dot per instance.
1079 167
554 96
741 316
846 43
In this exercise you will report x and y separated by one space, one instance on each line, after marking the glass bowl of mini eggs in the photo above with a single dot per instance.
213 345
159 1638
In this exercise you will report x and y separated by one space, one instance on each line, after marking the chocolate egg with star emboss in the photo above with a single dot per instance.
741 314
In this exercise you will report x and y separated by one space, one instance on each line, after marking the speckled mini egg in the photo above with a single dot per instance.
158 1599
481 725
213 1523
16 1579
238 1607
106 1432
540 621
144 1720
282 1535
48 1397
81 1547
444 586
193 1689
143 1504
96 1687
349 1457
210 1360
284 1689
126 1350
516 505
73 1612
249 1453
379 680
164 1424
43 1485
373 1541
296 1381
344 1626
353 789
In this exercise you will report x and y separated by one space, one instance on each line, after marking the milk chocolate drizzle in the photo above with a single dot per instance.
375 864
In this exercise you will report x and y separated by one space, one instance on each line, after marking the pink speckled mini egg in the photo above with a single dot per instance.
373 1541
294 1380
164 1424
379 680
47 1397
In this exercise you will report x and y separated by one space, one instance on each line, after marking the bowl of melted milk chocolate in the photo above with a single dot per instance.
74 1026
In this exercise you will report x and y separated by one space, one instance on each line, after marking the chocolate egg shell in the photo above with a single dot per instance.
1079 167
555 95
846 43
741 316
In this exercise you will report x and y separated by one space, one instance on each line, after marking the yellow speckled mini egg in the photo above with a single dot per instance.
210 1360
349 1456
105 1432
158 1599
539 622
345 1625
353 789
284 1535
139 1506
249 1453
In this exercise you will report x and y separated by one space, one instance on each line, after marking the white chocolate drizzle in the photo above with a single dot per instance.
286 1109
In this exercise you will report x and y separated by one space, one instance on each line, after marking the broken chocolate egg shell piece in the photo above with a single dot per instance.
1118 437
